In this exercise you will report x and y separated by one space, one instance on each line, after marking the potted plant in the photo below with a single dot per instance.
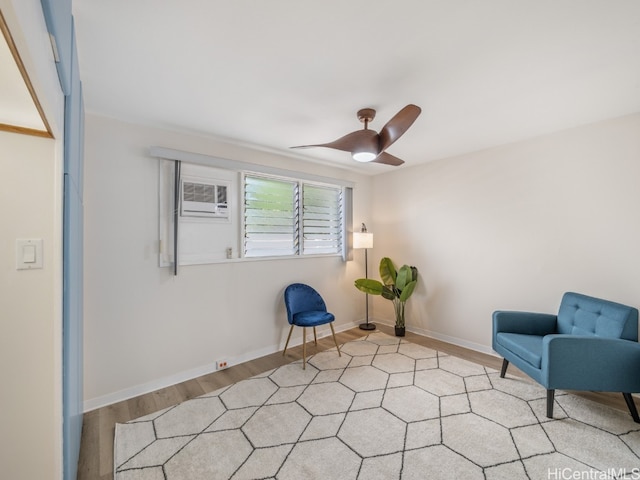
396 285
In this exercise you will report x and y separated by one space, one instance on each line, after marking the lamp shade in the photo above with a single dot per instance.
362 240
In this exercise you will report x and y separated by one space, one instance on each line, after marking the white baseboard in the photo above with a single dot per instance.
445 338
137 390
455 341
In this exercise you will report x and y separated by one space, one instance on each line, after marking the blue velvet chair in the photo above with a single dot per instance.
590 345
306 308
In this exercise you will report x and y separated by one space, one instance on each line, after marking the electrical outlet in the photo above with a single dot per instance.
221 364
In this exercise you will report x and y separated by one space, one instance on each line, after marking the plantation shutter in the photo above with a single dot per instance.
321 224
270 217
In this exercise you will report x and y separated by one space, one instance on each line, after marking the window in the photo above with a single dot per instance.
270 217
285 216
321 219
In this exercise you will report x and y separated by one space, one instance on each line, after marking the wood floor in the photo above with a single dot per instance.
96 449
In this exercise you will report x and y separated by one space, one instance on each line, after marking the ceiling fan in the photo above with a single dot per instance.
367 145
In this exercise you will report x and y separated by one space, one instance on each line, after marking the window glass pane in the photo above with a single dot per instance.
270 217
321 219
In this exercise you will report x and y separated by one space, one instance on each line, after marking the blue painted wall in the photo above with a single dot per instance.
60 24
72 275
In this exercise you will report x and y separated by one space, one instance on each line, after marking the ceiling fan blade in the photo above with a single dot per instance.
387 159
398 125
351 142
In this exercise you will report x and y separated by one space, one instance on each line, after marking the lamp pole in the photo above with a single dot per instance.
366 295
366 241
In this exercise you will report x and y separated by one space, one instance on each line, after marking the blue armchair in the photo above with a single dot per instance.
591 344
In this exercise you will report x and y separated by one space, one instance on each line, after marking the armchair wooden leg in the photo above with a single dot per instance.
315 336
333 332
304 348
503 370
632 407
550 395
288 338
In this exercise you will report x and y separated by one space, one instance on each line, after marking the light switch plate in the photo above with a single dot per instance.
28 253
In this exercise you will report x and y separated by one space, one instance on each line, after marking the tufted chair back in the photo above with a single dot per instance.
584 315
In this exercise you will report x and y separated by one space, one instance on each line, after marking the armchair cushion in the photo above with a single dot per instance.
527 347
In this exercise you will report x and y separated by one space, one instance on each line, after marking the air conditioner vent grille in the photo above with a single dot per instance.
199 192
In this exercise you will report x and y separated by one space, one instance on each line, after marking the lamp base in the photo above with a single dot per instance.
367 326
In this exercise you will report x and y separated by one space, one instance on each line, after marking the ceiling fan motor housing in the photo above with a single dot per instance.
366 115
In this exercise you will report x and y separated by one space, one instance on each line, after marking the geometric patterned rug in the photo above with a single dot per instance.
386 409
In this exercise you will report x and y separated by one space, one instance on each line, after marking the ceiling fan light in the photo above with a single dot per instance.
363 156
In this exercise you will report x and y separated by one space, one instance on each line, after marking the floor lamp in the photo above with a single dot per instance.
364 239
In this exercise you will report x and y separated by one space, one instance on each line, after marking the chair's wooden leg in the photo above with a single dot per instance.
503 370
632 407
288 338
550 395
315 336
304 348
333 332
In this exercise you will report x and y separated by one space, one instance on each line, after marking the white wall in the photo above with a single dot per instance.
144 328
514 227
29 349
31 301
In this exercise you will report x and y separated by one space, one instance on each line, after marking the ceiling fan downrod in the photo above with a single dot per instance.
366 115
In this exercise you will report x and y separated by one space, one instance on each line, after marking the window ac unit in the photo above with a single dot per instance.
203 199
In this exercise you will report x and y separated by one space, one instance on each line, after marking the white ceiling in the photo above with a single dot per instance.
278 73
